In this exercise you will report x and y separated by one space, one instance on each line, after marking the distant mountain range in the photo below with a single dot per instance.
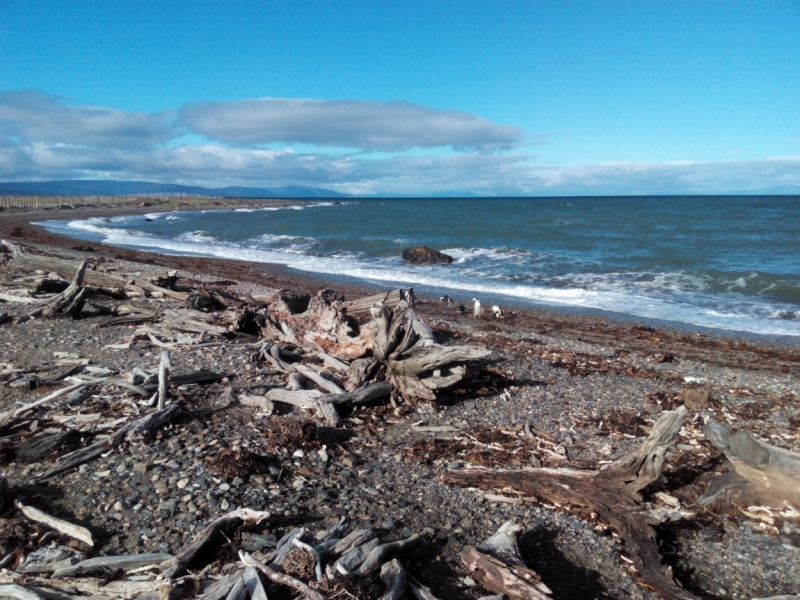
88 187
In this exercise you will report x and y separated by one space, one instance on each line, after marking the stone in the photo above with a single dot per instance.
695 399
423 255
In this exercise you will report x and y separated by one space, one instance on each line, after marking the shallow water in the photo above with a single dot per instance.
730 262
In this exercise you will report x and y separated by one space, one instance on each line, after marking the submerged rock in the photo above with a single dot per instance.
425 255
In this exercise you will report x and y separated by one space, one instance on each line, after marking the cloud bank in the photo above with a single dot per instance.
384 126
43 138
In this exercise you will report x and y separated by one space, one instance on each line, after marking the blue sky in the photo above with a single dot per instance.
394 98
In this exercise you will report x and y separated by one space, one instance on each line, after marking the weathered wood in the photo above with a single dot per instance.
144 425
352 540
324 383
763 474
281 578
163 379
498 566
69 302
394 578
126 562
70 529
308 399
259 402
384 552
363 395
391 299
253 583
354 558
238 591
360 371
66 268
333 362
494 575
41 447
613 493
428 358
221 587
176 566
189 321
13 591
76 459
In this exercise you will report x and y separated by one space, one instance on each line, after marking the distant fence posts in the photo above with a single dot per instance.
9 202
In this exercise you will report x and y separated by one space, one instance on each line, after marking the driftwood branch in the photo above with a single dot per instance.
613 493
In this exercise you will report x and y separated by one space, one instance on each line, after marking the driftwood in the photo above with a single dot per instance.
763 474
612 493
394 578
176 566
363 395
163 379
126 563
41 447
326 384
353 559
390 299
70 529
253 584
66 268
498 566
76 459
406 346
278 577
68 303
308 399
384 552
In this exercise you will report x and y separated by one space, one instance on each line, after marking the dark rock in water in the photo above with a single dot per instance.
148 219
425 256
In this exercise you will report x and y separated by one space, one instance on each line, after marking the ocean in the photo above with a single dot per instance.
730 263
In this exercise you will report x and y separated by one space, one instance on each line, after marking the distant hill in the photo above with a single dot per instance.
88 187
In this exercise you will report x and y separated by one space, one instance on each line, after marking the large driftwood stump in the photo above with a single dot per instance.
414 363
613 493
763 474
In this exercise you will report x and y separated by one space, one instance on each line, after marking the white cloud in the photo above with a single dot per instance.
384 126
43 138
33 116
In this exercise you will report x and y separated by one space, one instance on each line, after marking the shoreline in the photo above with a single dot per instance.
21 222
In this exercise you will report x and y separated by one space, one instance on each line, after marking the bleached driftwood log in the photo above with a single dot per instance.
612 493
498 566
763 474
70 529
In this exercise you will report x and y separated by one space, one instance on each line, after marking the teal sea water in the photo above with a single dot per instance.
731 263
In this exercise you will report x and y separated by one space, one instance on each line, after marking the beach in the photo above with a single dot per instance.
559 390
